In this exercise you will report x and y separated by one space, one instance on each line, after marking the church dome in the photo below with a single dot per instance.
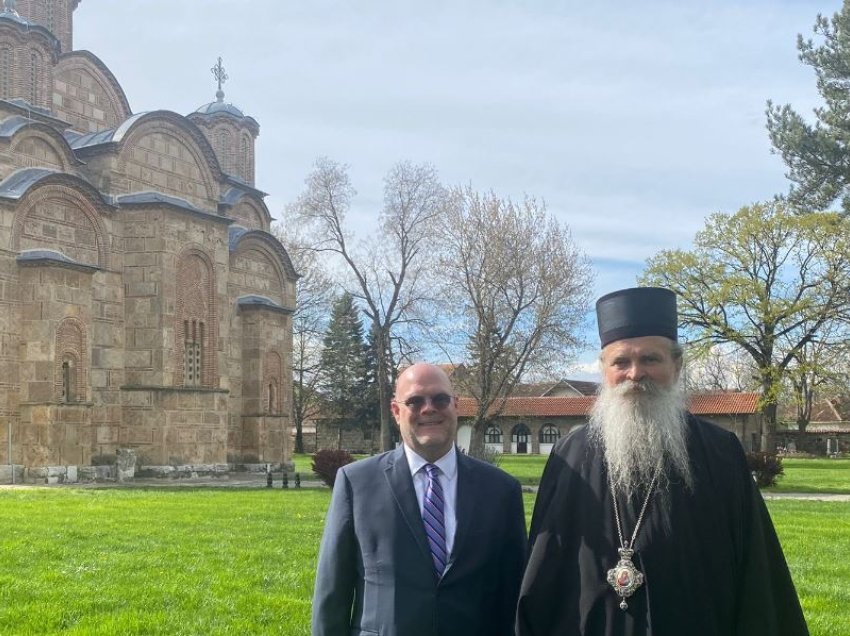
214 108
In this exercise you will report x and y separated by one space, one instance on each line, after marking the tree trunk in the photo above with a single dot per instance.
476 438
299 437
769 435
384 391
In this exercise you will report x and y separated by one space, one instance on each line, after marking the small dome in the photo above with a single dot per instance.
220 107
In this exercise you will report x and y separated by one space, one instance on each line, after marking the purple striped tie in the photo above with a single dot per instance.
435 522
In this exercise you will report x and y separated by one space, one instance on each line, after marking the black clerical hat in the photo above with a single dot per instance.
637 312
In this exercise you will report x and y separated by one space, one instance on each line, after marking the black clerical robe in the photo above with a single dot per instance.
711 561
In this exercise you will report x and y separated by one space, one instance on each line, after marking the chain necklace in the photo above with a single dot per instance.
624 577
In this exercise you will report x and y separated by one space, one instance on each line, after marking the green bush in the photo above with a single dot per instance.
488 455
766 467
327 462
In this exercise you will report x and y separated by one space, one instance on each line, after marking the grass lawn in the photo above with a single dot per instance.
184 561
801 475
209 561
526 468
814 475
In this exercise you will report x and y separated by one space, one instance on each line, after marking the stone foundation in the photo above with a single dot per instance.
55 475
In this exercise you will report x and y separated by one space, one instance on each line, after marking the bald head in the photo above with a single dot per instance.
425 410
423 372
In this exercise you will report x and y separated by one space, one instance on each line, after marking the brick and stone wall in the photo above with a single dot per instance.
103 296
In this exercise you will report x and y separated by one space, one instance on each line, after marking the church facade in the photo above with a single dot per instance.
144 303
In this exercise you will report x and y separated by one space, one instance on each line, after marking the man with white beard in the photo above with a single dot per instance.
647 521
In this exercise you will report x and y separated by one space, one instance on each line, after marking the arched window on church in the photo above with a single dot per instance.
244 158
193 352
272 374
273 406
224 151
71 361
195 324
50 19
67 394
6 72
35 79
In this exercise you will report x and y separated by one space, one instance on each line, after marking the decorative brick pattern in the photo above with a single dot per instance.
55 15
196 314
31 60
232 142
61 218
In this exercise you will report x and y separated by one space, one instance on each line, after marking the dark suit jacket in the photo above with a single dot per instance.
375 573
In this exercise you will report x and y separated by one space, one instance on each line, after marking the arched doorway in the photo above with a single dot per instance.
519 439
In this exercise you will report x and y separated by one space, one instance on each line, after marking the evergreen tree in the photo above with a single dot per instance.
818 156
345 368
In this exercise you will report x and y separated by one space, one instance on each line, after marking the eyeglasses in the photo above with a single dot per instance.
417 402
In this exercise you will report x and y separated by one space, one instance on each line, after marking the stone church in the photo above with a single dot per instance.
144 303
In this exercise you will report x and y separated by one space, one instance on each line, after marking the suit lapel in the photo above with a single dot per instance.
468 494
401 484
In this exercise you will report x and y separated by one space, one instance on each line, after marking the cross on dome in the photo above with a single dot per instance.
221 77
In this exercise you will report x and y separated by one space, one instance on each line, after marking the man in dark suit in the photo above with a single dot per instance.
422 540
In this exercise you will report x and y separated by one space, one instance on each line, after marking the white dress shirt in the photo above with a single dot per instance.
448 480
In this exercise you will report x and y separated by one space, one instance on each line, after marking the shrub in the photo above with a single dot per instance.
766 468
489 455
327 462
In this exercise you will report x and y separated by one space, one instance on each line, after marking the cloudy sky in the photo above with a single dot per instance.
633 121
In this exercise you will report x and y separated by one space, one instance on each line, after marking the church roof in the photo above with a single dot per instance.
152 197
261 302
33 257
30 108
214 108
16 184
11 125
77 141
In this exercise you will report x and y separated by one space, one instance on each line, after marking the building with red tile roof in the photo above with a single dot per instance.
533 424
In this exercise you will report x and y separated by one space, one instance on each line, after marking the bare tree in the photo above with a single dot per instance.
314 294
719 367
820 368
386 272
515 292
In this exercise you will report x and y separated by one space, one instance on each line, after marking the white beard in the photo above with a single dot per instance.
637 424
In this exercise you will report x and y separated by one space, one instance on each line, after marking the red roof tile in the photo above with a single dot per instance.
534 406
723 403
699 404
